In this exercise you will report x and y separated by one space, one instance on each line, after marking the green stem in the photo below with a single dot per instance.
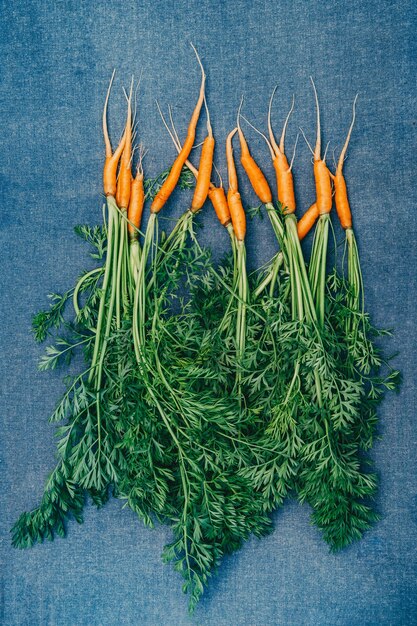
79 285
106 280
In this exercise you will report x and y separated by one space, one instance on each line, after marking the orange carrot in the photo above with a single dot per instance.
175 172
216 194
285 183
219 202
137 199
112 160
323 187
283 170
321 173
125 175
234 201
306 223
252 169
204 174
237 214
341 196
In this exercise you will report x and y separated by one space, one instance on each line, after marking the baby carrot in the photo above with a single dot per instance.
252 169
237 212
112 159
219 202
231 167
173 176
137 198
341 196
204 174
204 169
125 175
283 170
306 223
321 172
216 194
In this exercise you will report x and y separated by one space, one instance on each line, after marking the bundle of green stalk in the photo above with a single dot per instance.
143 419
332 376
210 395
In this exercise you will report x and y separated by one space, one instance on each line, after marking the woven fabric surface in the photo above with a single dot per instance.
57 58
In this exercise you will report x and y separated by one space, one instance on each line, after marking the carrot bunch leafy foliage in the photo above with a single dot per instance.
208 394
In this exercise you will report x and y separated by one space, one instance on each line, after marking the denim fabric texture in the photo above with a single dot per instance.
56 61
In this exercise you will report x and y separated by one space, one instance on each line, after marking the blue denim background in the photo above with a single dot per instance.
56 60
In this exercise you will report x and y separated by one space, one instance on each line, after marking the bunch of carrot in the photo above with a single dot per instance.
205 408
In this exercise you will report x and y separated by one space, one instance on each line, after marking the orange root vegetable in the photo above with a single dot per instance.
321 173
306 223
237 214
342 202
172 179
112 159
204 174
323 187
283 170
125 175
285 183
252 169
216 194
219 202
137 199
341 196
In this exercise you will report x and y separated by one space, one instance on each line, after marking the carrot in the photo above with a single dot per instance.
112 160
231 167
237 214
341 196
321 173
219 202
173 176
204 169
306 223
234 201
137 199
252 169
285 183
323 187
216 194
283 170
125 176
204 175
